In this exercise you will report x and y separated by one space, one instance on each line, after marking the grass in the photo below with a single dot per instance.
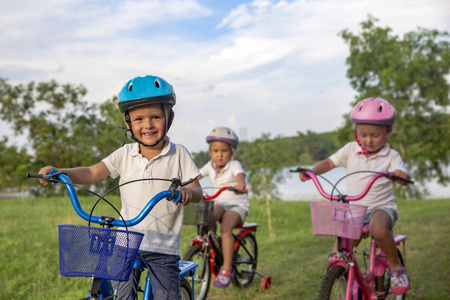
292 256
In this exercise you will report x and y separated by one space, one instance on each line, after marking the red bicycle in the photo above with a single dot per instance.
344 279
205 248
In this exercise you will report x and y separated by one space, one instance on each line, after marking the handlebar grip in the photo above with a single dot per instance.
34 175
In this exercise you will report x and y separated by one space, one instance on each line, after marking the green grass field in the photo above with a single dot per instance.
292 256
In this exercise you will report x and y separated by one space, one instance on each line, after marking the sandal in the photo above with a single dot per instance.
224 278
399 281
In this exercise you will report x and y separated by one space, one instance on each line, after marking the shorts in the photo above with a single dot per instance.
234 207
391 212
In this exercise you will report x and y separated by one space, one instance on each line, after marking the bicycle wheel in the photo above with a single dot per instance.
202 277
334 284
185 290
244 261
381 284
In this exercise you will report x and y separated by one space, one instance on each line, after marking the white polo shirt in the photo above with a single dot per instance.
386 160
162 227
226 177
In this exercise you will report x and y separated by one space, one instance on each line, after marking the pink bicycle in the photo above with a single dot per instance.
344 279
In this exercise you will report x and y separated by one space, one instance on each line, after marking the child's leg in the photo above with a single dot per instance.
217 215
381 230
230 220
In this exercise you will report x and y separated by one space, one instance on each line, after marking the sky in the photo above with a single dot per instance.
257 66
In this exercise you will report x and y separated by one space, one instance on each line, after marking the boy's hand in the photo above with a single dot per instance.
303 177
186 196
239 187
402 174
45 171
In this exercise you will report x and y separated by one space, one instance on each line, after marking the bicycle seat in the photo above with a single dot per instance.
247 225
366 229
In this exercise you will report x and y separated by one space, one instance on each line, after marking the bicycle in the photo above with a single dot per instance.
205 248
344 279
104 253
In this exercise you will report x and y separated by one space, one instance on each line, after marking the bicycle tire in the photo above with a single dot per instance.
202 277
185 290
245 259
334 284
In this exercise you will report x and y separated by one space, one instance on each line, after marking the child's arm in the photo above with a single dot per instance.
320 168
81 175
191 192
240 178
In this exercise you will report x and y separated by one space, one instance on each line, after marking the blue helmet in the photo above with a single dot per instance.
145 90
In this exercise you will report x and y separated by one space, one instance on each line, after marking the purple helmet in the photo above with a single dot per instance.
373 111
223 134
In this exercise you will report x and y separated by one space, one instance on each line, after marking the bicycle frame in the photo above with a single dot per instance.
378 262
101 289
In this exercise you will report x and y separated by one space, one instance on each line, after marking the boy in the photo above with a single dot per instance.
374 118
147 106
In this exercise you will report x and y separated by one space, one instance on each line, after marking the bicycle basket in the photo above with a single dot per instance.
198 213
97 252
337 219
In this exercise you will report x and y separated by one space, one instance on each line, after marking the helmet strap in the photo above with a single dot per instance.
166 128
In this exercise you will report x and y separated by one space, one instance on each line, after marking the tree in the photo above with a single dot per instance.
262 160
62 129
14 162
411 73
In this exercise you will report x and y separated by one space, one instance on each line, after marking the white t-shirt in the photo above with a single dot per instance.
162 226
226 177
386 160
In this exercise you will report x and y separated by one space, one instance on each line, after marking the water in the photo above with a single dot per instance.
292 189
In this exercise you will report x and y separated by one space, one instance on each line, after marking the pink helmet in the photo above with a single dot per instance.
223 134
373 111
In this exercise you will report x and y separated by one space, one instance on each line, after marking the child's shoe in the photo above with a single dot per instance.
399 281
224 278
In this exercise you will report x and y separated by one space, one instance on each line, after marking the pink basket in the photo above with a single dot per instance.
337 219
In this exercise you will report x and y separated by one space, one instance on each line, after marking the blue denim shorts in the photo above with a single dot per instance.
239 209
391 212
164 274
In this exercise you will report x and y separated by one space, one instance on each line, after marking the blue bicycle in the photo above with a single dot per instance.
104 253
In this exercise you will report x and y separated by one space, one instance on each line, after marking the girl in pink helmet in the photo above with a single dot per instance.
229 207
373 120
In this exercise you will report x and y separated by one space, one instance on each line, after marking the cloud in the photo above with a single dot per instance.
262 66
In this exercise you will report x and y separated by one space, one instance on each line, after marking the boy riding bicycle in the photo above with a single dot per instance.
147 106
229 208
374 118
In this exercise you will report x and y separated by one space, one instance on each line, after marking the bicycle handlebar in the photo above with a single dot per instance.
313 176
172 194
225 188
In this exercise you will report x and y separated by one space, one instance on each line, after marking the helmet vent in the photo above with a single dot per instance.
380 108
157 84
130 87
360 107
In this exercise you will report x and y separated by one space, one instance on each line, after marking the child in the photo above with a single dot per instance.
374 119
147 106
230 208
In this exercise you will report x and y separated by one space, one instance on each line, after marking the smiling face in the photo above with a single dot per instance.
148 123
220 153
372 137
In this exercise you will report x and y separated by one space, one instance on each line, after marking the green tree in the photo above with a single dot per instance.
63 130
262 160
411 72
14 162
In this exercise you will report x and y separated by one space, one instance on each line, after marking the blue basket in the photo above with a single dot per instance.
97 252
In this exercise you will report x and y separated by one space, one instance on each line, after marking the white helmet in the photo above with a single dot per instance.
223 134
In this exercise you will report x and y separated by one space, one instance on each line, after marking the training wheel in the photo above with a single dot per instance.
266 282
